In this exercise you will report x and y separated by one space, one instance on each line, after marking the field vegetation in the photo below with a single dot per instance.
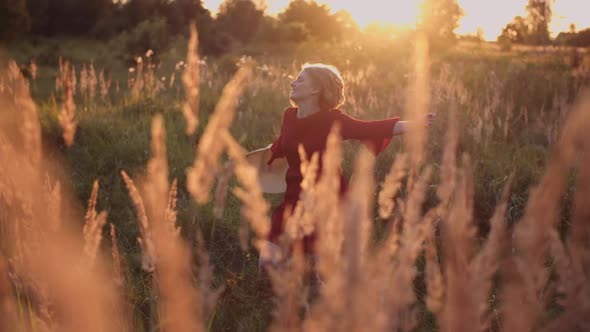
119 210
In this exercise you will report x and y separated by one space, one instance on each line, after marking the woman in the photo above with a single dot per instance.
316 94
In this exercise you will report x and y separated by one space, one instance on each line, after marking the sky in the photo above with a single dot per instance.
490 15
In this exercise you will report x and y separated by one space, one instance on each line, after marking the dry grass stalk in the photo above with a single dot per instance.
391 185
572 259
302 222
73 80
172 80
179 306
191 80
357 230
290 293
53 291
117 267
533 233
171 213
435 284
519 310
84 82
394 264
157 191
8 312
91 209
209 296
489 260
34 69
53 196
255 208
93 224
104 85
418 103
448 167
137 82
92 81
415 230
148 258
435 280
580 231
357 222
93 237
460 312
330 230
222 189
201 175
317 211
68 109
178 298
30 128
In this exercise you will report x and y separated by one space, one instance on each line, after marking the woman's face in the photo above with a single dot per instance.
303 88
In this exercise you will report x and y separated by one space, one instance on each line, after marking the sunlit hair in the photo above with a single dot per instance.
330 82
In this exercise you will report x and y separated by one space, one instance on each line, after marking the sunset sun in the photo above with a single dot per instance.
404 13
488 16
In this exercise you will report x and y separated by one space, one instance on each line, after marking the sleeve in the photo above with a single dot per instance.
376 135
276 148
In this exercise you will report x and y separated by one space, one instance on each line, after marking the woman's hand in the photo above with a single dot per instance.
401 127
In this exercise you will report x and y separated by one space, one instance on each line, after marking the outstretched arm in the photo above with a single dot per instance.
401 127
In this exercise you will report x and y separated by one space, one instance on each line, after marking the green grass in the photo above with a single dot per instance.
114 135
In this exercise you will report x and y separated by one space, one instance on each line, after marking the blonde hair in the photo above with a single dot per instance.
329 80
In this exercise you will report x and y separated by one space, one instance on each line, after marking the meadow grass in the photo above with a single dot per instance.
453 215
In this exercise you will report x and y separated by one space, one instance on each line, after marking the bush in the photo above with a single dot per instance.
150 34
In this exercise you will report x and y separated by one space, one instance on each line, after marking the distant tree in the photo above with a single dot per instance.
14 19
179 13
515 32
539 17
273 32
240 19
210 41
347 26
480 34
38 9
582 38
577 38
316 18
381 32
67 17
440 19
137 11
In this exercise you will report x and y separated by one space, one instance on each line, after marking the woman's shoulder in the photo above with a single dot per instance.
337 113
289 112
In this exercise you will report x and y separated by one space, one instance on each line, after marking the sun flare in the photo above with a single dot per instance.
399 13
490 16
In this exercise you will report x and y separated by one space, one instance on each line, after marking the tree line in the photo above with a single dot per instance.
238 22
149 23
533 29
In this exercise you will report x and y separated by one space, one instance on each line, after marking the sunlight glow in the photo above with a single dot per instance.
396 12
491 16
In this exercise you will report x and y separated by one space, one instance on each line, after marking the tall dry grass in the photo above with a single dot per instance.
43 250
201 176
504 282
191 80
178 299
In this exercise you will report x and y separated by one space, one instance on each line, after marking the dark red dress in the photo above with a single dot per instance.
312 131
